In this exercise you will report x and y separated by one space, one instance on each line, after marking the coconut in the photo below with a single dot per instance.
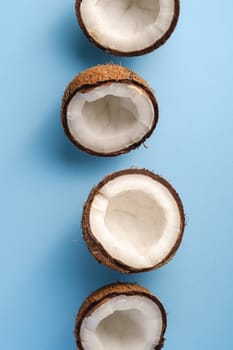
128 27
121 317
108 110
133 221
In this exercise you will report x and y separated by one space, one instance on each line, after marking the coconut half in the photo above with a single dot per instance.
121 317
108 110
133 221
128 27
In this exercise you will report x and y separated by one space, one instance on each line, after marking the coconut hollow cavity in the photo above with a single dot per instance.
128 27
133 221
121 317
108 110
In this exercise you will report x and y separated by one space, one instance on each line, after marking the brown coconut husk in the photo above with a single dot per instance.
144 51
97 249
104 294
104 75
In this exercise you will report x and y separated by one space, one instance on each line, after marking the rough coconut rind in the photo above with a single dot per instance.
104 75
153 47
104 294
97 249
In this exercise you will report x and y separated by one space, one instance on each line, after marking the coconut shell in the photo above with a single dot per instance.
97 249
104 294
144 51
103 75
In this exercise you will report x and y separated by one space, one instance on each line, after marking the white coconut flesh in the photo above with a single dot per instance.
127 25
136 219
123 323
111 117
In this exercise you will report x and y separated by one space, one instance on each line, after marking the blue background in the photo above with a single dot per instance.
46 270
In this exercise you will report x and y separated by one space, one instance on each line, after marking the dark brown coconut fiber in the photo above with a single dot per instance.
103 75
144 51
97 249
104 294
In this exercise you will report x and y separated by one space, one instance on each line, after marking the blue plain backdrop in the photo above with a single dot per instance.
45 268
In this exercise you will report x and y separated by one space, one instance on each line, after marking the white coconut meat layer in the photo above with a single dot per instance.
123 323
136 219
127 25
111 117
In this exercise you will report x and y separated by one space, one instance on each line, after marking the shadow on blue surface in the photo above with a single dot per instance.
51 148
67 274
71 42
73 270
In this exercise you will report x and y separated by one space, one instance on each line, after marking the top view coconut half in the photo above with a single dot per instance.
128 27
133 220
